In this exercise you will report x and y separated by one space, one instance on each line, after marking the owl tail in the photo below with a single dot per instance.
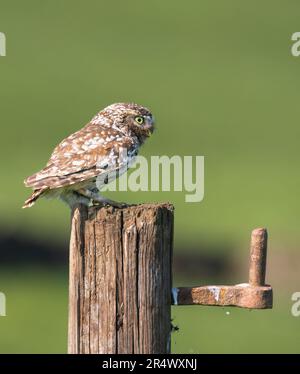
33 197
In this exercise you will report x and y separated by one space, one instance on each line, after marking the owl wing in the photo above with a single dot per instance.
81 156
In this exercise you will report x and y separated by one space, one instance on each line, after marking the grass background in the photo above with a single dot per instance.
221 81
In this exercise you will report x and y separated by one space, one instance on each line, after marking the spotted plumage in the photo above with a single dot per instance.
83 162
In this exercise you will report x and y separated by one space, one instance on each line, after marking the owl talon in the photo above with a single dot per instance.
103 203
125 205
117 205
96 203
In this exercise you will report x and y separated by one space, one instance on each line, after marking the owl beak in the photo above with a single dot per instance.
149 126
149 132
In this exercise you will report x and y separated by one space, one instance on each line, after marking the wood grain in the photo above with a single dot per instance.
120 279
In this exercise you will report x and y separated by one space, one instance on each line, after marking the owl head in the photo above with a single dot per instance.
130 118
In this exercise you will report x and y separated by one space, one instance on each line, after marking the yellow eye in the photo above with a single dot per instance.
139 120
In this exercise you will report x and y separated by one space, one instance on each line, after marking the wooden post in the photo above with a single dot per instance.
120 279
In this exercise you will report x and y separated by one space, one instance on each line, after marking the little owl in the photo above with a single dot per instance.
83 162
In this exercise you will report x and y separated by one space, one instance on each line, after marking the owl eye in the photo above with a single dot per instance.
139 120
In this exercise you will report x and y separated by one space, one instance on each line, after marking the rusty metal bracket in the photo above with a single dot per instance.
253 295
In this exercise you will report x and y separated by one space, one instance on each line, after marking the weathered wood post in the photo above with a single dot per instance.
120 279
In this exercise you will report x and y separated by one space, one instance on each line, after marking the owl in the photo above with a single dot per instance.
86 160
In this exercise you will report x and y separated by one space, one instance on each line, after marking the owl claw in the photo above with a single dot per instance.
118 205
96 203
99 200
113 204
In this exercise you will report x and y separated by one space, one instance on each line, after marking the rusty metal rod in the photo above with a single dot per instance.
240 295
258 257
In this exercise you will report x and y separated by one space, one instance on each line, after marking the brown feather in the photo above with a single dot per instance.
33 197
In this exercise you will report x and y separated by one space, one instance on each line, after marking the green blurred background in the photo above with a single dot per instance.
221 81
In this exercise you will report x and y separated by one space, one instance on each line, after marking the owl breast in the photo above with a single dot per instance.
116 166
